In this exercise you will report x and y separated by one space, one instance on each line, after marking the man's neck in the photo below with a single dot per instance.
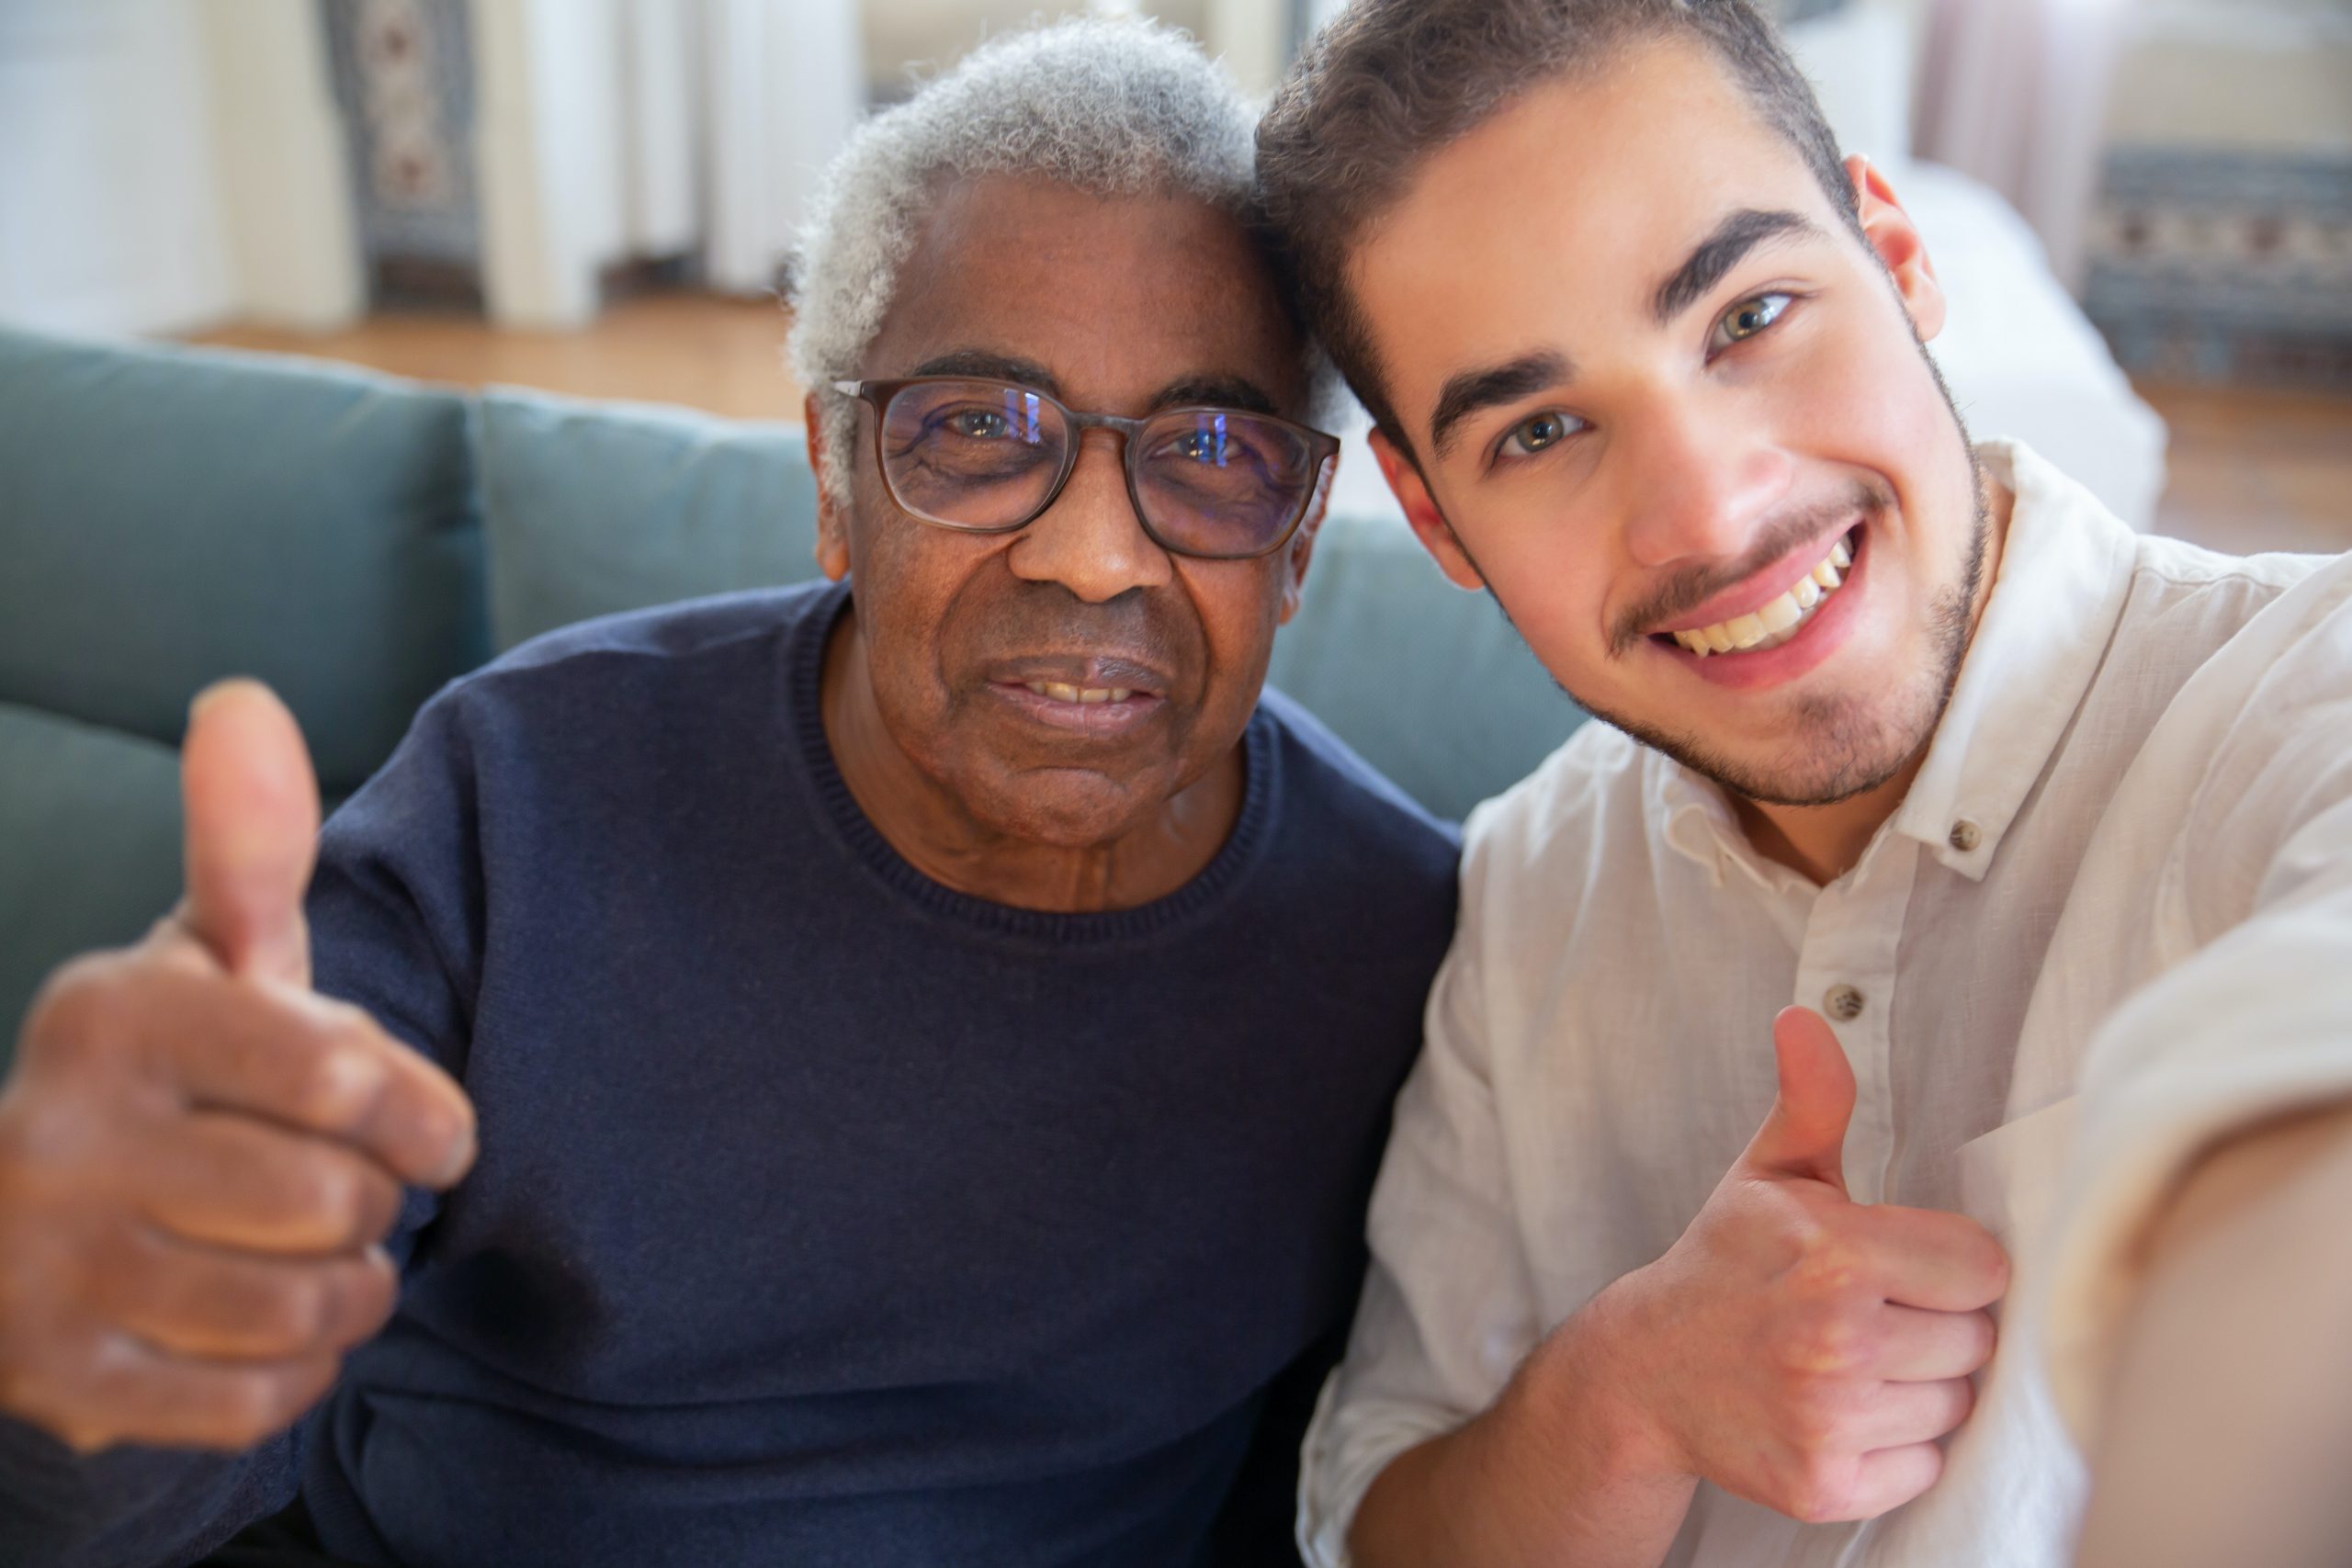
1823 843
932 831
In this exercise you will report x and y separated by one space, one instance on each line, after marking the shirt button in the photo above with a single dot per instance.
1964 836
1844 1002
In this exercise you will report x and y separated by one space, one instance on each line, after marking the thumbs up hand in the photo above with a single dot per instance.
1796 1348
198 1155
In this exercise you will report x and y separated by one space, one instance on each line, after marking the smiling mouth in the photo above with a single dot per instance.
1087 697
1778 620
1084 713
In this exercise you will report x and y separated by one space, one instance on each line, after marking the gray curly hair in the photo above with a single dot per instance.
1113 108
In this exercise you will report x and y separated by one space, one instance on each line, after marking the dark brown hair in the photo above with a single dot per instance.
1392 80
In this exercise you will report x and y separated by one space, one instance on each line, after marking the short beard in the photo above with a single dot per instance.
1852 751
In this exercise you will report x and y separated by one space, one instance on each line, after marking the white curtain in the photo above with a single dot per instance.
661 211
165 166
785 83
2014 92
617 130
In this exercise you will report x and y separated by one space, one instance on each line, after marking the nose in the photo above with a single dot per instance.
1699 479
1090 540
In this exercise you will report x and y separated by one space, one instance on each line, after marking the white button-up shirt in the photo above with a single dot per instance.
2112 918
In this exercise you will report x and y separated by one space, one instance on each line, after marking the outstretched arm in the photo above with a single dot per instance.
2230 1411
2201 1320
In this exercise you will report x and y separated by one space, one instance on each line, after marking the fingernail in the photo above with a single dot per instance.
460 1160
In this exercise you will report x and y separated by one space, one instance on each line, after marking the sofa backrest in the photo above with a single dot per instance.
170 516
594 508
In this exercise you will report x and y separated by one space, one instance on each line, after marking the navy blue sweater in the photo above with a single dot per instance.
823 1216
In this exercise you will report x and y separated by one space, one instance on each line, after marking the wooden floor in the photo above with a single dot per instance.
2249 471
2256 470
705 351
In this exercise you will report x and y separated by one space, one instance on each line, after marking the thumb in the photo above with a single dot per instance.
251 806
1805 1132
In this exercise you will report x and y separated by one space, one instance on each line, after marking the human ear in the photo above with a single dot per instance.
1430 525
1896 240
1302 543
832 528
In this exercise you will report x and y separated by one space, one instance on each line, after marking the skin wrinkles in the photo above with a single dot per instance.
1118 305
1221 391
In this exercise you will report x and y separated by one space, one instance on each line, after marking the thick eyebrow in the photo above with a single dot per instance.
1215 392
1719 253
995 366
1467 392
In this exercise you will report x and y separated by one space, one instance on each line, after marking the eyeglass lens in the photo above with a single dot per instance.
986 454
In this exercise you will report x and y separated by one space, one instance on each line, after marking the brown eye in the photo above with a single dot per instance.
980 424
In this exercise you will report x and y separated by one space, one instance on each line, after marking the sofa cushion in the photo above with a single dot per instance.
89 846
168 516
1429 683
593 508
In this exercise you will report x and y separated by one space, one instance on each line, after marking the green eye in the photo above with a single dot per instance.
1546 430
1749 317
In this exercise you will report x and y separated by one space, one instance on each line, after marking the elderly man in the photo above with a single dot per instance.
2052 822
930 1036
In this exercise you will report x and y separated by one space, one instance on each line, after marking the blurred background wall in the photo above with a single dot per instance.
597 196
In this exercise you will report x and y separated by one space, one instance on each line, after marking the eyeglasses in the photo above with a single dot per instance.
988 457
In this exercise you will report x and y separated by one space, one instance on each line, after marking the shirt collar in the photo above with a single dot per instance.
1697 822
1691 814
2065 569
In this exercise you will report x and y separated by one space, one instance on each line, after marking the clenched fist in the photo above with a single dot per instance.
1795 1347
198 1155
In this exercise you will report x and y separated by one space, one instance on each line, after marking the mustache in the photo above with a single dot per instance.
1046 617
1680 594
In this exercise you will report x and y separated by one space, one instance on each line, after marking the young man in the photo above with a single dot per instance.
929 1034
2045 829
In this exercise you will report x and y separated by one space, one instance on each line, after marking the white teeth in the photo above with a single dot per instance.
1771 624
1085 695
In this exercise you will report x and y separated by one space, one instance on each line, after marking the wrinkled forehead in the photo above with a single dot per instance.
1117 297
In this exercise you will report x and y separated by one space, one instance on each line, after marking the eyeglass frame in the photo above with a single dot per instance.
1322 448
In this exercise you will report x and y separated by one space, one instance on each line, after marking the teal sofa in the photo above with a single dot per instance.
169 516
